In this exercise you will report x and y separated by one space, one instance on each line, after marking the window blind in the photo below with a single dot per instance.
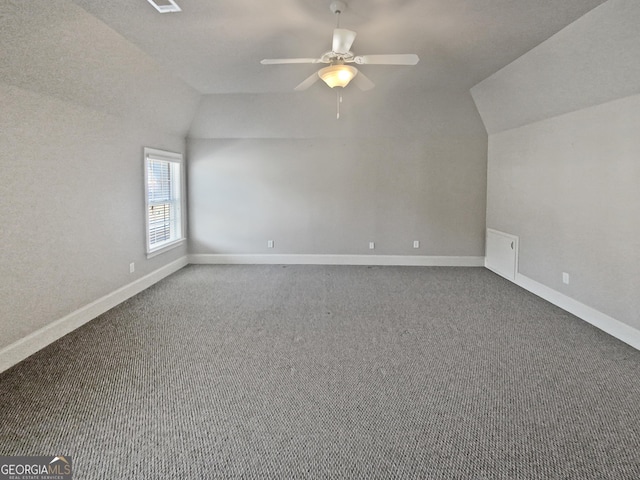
164 224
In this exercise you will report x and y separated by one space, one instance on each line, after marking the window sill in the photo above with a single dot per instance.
166 247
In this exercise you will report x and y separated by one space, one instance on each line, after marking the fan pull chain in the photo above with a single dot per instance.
338 102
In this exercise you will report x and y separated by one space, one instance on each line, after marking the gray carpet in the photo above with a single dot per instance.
330 372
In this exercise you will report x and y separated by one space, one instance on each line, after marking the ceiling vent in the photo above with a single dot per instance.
165 6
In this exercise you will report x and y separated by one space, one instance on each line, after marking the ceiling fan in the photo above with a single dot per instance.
340 73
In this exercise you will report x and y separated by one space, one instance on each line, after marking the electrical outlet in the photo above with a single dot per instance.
269 243
565 277
132 267
372 245
416 244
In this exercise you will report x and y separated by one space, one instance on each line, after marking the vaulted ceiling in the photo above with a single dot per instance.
198 72
216 46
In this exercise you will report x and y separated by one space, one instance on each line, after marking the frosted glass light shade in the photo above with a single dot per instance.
337 75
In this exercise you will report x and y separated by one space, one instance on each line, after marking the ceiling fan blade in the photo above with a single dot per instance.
342 40
396 59
363 82
278 61
310 80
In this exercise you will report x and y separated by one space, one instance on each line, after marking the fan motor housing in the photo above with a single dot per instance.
337 7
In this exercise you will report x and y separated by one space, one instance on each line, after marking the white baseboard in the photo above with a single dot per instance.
301 259
23 348
607 324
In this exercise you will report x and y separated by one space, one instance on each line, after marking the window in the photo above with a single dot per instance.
163 186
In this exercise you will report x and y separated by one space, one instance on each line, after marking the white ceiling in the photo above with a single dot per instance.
216 46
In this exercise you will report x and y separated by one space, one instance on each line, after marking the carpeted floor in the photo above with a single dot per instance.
289 372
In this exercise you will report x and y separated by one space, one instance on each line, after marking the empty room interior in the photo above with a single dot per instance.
219 264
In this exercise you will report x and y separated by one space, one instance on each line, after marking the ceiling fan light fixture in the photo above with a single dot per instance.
337 75
165 6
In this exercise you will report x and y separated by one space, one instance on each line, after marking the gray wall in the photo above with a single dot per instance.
567 184
73 125
259 171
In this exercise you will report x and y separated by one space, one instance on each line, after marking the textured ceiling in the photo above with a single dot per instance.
55 48
594 60
216 46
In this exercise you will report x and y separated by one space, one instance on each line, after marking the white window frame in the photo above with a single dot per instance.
177 200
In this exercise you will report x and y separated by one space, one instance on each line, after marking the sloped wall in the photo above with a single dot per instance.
567 183
592 61
77 110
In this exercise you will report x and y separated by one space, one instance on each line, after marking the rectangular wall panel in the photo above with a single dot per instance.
502 253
